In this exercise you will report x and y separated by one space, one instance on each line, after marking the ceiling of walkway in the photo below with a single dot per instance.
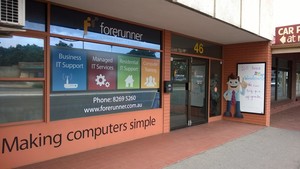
163 14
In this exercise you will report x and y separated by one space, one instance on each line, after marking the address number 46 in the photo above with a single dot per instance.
198 48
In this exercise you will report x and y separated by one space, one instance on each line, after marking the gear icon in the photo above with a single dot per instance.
100 80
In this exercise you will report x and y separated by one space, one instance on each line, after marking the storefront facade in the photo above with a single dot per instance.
285 66
78 80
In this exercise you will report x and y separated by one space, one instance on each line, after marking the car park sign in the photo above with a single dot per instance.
287 34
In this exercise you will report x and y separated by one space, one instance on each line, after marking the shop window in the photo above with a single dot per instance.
90 79
88 26
21 101
273 84
298 84
215 88
280 79
21 79
21 57
282 85
35 18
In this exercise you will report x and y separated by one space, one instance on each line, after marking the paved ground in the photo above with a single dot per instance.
276 147
269 148
217 145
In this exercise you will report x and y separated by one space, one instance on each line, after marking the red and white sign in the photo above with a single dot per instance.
287 34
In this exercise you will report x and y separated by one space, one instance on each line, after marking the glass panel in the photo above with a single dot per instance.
21 57
179 106
298 84
198 91
99 28
273 84
215 88
283 85
67 43
179 70
179 96
21 101
298 80
102 79
35 18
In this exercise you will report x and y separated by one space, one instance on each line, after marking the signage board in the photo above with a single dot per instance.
102 73
287 34
128 72
253 74
68 69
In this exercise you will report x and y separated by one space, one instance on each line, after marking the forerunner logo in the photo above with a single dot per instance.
111 31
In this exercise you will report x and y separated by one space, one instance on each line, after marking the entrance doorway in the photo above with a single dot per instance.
189 96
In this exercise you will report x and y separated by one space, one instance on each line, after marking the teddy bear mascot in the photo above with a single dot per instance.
232 95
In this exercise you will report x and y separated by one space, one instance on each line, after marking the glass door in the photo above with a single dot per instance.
179 96
189 96
198 92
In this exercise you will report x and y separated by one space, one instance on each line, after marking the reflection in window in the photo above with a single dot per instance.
21 57
298 84
21 101
35 15
179 71
101 47
89 26
283 83
273 84
215 88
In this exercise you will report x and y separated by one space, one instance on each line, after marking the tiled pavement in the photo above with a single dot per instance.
162 150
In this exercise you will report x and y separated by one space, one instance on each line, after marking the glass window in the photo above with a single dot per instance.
298 84
215 88
35 18
90 79
273 84
280 79
89 26
21 101
21 57
283 85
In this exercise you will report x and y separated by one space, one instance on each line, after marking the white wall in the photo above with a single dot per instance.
255 16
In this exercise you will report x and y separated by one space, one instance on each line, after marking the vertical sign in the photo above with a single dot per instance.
128 72
150 73
102 71
68 69
254 75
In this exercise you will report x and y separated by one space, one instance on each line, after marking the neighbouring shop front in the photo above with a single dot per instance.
285 81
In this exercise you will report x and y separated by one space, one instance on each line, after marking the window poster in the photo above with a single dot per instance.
253 74
150 73
88 83
68 69
128 72
102 73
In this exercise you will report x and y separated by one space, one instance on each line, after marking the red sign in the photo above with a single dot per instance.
102 71
287 34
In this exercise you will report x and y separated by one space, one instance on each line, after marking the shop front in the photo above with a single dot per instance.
77 80
69 86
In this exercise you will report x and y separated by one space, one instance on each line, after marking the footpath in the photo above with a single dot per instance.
217 145
275 147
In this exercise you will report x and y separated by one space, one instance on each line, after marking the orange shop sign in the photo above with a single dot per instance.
287 34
